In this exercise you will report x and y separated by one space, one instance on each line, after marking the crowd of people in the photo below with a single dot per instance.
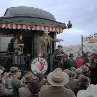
67 79
64 81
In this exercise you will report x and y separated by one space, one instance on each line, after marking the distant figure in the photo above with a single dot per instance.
79 62
71 60
59 55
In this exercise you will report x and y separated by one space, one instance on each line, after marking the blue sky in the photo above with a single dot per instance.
82 14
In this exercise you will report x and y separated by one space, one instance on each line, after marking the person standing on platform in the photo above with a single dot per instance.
45 42
18 50
59 56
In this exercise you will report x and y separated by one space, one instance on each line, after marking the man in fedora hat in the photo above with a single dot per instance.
71 60
59 56
32 86
24 91
57 79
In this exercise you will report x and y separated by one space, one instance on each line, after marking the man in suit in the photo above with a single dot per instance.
44 43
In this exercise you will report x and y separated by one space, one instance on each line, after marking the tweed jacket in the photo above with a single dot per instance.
50 91
4 92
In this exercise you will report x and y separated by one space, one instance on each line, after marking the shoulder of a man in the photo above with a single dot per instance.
44 87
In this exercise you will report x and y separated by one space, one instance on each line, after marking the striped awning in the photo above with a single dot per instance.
31 27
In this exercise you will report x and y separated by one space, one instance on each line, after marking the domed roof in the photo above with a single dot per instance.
28 11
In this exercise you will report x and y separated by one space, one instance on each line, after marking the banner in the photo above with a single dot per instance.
89 39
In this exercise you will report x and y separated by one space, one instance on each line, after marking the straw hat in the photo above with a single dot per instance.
58 77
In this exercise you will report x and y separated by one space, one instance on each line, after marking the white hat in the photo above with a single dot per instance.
58 77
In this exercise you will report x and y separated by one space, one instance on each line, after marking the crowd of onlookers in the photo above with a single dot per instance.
61 82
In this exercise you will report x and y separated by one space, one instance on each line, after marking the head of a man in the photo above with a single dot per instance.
60 47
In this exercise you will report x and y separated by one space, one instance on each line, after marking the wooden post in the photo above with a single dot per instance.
82 43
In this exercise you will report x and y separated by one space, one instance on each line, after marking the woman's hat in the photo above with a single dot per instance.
58 77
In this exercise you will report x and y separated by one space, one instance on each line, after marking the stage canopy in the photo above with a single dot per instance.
29 18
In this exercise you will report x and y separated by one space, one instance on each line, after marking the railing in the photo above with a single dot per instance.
6 60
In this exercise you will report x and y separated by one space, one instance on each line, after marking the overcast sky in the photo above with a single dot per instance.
82 14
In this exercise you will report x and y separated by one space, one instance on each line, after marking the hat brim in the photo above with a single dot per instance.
62 83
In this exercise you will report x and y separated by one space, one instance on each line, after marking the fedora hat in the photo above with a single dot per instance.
13 70
58 77
71 55
29 77
69 72
60 46
1 67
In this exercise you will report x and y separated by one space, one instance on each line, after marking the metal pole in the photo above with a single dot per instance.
0 43
82 43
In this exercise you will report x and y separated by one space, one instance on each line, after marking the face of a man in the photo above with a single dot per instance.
45 34
60 48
